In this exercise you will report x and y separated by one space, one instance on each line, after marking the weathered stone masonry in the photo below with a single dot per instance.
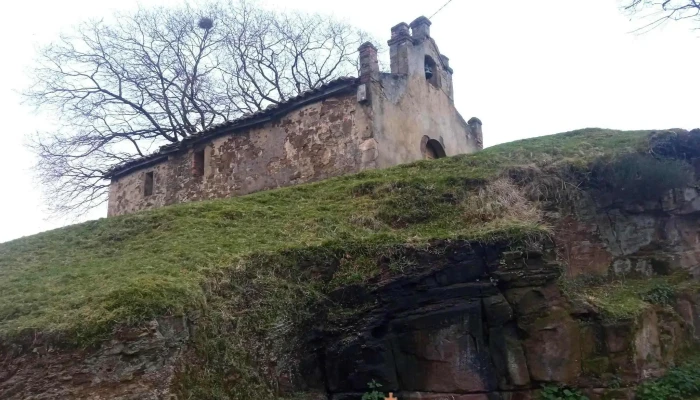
315 142
348 125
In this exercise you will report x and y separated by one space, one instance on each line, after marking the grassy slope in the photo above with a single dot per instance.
83 278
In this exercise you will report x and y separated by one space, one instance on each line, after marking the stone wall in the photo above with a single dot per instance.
408 111
321 140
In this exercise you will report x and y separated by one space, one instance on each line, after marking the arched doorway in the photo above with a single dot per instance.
433 150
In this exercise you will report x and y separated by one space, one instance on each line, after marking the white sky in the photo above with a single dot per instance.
525 68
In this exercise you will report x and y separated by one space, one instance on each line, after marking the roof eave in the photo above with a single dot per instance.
277 113
117 173
205 136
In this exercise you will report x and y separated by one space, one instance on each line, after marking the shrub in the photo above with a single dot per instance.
662 294
678 384
637 176
676 144
373 394
615 382
550 392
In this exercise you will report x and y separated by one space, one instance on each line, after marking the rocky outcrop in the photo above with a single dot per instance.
632 239
485 323
607 231
468 322
137 364
460 320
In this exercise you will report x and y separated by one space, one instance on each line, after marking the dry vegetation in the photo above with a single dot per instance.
500 201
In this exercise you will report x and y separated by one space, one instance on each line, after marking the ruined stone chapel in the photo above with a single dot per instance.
376 120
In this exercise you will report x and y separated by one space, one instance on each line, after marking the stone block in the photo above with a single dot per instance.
508 357
351 364
444 352
552 348
497 309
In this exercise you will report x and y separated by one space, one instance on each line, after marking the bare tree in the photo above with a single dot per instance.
658 12
125 86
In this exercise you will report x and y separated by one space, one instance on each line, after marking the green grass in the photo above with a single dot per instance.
623 299
80 280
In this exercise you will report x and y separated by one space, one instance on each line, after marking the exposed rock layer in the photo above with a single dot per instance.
466 322
484 323
138 363
470 322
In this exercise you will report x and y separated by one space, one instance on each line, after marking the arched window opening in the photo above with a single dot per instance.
432 74
433 150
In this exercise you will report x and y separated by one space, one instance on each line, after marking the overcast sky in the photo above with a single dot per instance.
525 68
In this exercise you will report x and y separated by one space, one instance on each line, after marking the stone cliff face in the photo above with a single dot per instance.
467 322
138 363
632 239
645 236
453 329
486 323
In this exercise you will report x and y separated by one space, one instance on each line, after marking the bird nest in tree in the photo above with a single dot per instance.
206 23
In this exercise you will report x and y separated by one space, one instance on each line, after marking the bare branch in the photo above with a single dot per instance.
659 12
123 86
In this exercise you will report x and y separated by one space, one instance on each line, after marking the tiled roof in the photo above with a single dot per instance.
247 121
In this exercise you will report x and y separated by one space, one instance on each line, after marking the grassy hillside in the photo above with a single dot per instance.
82 279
